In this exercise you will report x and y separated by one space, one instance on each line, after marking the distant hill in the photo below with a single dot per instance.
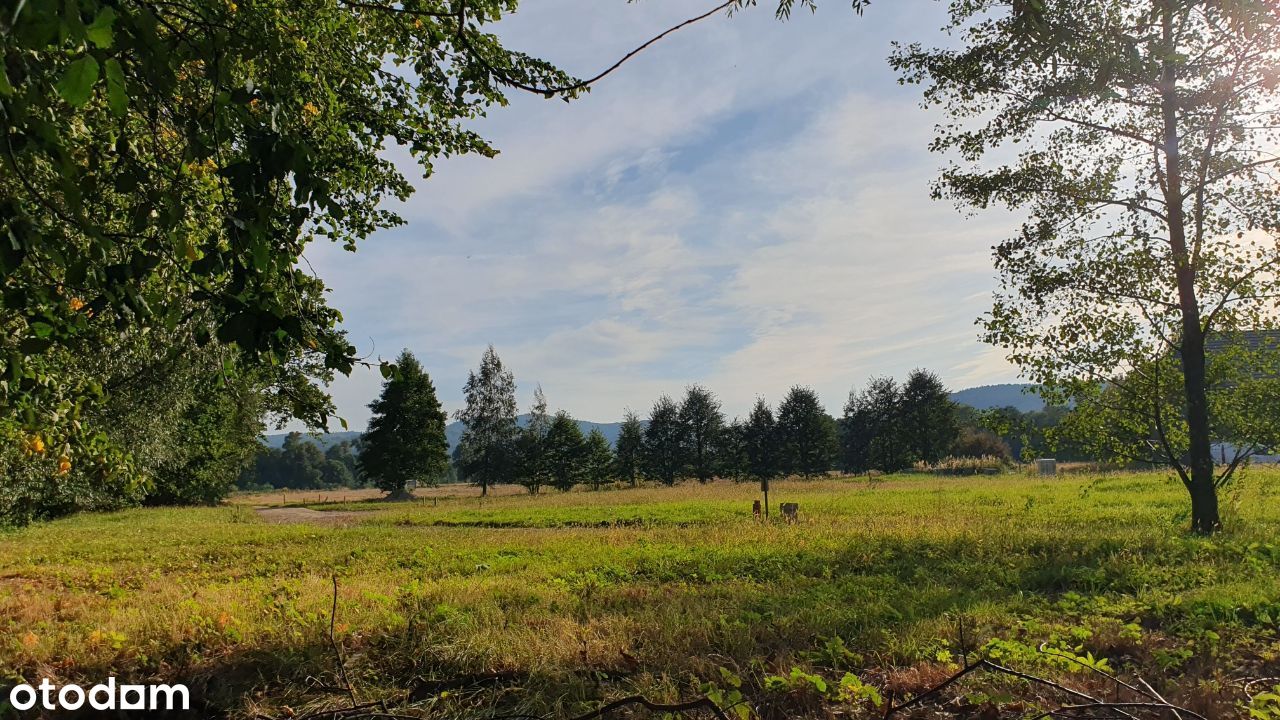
983 398
452 433
997 396
326 440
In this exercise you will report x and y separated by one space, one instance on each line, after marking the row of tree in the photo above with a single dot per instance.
886 427
300 464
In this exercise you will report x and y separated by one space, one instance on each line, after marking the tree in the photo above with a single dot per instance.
303 460
702 424
731 453
488 443
928 416
629 456
873 433
566 453
1147 175
761 447
598 459
405 441
218 433
531 468
344 454
806 434
664 442
1127 423
138 193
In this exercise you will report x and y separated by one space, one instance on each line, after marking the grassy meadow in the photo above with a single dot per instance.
565 599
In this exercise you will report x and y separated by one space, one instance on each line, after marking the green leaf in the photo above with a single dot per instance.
117 99
99 33
77 82
6 89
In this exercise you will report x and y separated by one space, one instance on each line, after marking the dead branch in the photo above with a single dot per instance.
337 648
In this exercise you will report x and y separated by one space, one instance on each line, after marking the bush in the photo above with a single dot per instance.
978 443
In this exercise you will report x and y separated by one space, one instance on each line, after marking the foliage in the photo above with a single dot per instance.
760 442
928 416
531 461
1145 135
405 441
598 460
629 452
565 452
165 162
702 424
488 443
873 435
888 427
664 442
1138 418
806 434
965 465
980 443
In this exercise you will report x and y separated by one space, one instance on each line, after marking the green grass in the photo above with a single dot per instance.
655 588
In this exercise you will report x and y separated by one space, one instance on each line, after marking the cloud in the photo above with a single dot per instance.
744 206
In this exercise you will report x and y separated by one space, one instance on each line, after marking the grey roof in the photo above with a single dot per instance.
1250 339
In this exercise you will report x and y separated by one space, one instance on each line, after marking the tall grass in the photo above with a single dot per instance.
653 587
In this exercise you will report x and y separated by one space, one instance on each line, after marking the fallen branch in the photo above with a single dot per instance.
1086 706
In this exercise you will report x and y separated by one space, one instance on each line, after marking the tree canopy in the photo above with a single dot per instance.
1138 140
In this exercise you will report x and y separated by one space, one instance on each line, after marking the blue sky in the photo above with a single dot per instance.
745 206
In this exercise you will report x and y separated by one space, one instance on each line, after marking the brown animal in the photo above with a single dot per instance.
755 509
790 512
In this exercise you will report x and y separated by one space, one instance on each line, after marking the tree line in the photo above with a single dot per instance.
885 427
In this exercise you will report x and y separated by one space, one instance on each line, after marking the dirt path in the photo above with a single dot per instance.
296 515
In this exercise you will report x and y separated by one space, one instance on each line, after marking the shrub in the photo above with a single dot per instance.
978 443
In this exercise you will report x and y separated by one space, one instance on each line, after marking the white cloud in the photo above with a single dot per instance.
745 205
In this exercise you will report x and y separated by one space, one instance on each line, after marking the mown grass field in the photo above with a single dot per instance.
568 599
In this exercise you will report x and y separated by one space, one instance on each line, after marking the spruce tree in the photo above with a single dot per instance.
702 424
664 449
566 451
598 459
629 456
760 447
806 433
488 443
405 440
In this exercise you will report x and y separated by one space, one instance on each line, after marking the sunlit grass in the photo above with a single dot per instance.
657 584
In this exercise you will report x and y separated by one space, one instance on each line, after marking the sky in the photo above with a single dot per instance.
745 205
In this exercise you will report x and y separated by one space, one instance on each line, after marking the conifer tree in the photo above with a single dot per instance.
405 441
806 433
565 452
702 425
531 456
760 447
598 459
664 449
629 456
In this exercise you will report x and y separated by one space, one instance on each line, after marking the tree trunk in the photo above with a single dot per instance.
1204 492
